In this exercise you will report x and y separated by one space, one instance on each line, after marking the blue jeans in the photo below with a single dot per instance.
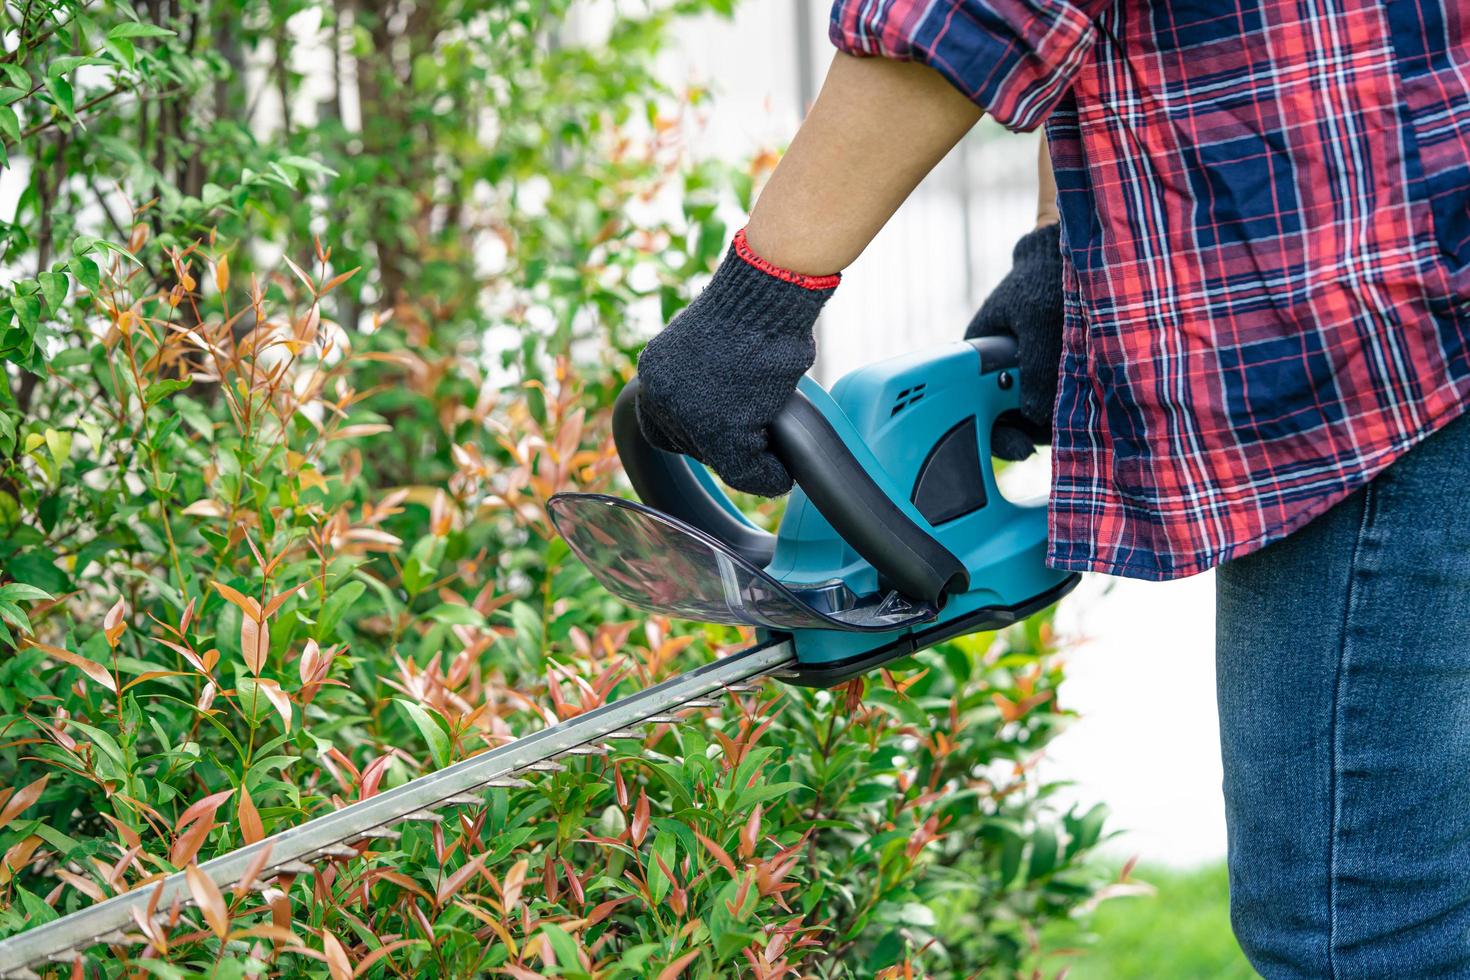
1343 669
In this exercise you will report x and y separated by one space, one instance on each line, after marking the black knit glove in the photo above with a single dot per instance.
713 380
1027 305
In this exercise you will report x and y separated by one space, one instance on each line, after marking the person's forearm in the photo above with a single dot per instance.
1046 189
875 130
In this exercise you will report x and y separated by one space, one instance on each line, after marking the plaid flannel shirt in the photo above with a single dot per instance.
1266 233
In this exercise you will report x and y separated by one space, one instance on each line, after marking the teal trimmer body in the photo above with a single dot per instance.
895 538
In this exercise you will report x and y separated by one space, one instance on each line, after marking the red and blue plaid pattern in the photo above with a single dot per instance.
1266 215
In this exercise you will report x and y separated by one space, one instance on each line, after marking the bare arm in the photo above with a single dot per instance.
1046 189
876 129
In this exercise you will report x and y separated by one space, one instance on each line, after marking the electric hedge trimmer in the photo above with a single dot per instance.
895 539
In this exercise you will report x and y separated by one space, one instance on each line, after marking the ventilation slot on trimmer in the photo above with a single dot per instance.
906 398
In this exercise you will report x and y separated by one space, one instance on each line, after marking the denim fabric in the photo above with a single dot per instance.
1343 670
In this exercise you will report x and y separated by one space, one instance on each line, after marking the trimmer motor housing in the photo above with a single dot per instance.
895 538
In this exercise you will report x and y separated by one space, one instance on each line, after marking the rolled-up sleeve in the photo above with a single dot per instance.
1013 58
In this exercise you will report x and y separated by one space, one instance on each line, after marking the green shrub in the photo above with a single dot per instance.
272 534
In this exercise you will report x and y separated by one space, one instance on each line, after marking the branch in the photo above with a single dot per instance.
117 90
26 44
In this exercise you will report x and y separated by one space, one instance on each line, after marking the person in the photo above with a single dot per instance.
1248 335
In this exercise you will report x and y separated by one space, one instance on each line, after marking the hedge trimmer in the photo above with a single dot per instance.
896 538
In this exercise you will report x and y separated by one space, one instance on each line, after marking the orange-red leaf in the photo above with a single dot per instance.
91 668
750 834
83 885
152 675
265 930
18 857
252 871
247 605
338 280
203 808
211 902
514 879
278 700
115 622
14 802
638 829
672 971
337 960
607 908
277 600
366 963
310 659
300 274
255 643
188 845
402 881
251 828
718 853
456 881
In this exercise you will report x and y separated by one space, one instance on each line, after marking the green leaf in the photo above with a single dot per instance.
1010 857
55 838
916 914
53 284
58 444
455 615
27 310
123 50
1087 830
1043 853
20 592
136 29
39 571
62 95
57 67
86 272
18 76
337 604
87 244
9 124
160 390
308 165
565 948
38 911
15 616
110 749
433 734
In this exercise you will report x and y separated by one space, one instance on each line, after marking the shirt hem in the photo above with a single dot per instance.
1154 571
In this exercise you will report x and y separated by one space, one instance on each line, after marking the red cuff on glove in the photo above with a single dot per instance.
743 249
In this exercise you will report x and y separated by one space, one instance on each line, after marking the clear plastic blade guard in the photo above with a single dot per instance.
655 562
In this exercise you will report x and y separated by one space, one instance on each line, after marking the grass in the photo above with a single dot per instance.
1182 931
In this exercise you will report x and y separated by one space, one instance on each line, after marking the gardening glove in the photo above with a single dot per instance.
1027 305
714 379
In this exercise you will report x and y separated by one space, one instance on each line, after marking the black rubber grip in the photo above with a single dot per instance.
665 482
996 352
907 557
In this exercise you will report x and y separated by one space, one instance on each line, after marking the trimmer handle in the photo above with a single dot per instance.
681 487
907 557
